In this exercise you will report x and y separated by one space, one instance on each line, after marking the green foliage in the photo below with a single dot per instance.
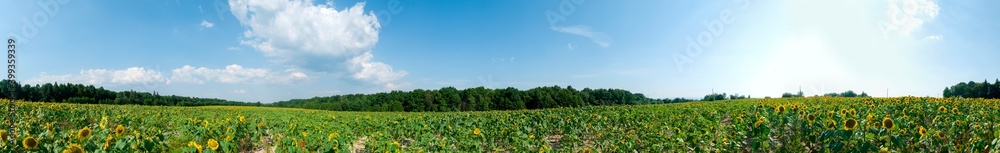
88 94
474 99
974 90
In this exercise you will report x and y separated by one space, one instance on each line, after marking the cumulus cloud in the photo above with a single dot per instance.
597 37
241 91
315 37
130 76
206 24
234 74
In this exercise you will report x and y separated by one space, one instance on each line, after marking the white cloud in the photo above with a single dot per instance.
570 46
206 24
241 91
597 37
234 74
933 38
392 86
315 37
233 48
367 70
132 76
905 16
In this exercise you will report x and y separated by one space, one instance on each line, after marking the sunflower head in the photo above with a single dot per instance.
831 124
921 130
83 133
212 144
119 130
30 143
477 131
73 148
888 123
811 117
195 145
850 124
942 109
781 109
883 150
759 122
3 136
940 134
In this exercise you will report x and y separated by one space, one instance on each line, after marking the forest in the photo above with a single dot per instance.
88 94
475 99
419 100
974 90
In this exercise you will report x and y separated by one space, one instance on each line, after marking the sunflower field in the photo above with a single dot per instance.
821 124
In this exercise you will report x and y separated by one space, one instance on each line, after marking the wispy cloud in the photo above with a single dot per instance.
241 91
206 24
601 39
933 38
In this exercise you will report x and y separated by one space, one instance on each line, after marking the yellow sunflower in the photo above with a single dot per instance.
883 150
3 137
831 124
30 143
781 109
477 131
940 134
83 133
850 124
888 123
942 109
811 117
195 145
212 144
119 130
73 148
921 130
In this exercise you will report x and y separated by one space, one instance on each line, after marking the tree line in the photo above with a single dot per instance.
88 94
847 93
474 99
974 90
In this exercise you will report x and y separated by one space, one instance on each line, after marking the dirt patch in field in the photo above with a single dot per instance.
554 141
359 145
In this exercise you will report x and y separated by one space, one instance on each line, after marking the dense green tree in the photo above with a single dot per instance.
974 90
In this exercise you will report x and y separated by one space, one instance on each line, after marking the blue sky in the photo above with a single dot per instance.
283 49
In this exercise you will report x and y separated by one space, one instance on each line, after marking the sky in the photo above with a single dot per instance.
273 50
